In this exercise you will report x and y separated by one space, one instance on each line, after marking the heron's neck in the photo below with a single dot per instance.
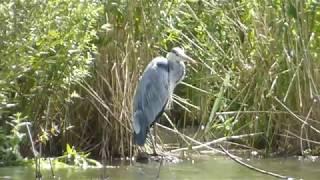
177 71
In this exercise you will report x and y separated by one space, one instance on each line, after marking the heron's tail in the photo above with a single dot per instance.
140 124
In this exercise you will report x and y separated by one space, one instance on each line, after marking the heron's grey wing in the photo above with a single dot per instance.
151 97
153 90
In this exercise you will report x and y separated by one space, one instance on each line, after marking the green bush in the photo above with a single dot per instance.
46 46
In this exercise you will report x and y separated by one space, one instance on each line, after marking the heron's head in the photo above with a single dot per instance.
178 54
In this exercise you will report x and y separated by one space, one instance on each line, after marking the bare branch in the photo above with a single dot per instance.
218 141
233 157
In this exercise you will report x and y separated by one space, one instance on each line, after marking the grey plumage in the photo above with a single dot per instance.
155 90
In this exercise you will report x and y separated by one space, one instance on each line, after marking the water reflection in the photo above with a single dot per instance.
208 168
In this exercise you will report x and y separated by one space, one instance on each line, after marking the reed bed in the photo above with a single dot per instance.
258 73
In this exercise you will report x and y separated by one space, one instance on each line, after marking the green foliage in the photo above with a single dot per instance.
9 141
80 159
46 46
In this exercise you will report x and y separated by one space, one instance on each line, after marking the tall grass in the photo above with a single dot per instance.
259 63
257 72
125 46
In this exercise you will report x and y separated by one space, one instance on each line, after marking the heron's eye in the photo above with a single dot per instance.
174 52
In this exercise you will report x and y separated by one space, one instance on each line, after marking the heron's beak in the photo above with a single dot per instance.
188 59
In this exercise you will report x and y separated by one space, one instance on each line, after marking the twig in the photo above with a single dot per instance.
218 141
194 87
51 167
233 157
35 153
243 146
303 128
301 138
30 138
161 160
296 116
250 112
187 137
175 129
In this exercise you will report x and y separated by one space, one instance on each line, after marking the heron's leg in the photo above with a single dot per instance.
154 140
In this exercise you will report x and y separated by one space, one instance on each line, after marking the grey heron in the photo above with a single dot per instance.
155 89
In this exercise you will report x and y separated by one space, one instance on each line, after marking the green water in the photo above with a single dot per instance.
206 168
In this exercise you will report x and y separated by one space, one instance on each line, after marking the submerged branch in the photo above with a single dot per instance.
233 157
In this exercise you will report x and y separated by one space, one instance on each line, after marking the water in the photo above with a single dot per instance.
204 168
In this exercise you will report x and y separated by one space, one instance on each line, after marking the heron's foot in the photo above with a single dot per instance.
154 153
142 157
